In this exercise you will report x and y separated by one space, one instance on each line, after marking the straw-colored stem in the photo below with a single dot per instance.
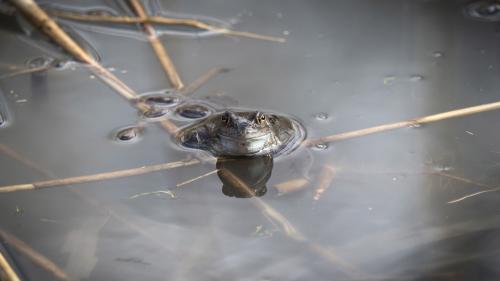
413 122
40 19
196 178
163 20
98 177
195 85
34 256
24 71
9 273
159 49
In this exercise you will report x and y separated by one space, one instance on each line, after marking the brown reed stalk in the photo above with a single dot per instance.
413 122
158 47
8 272
34 256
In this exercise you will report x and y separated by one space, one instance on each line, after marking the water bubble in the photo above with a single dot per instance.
437 54
62 64
486 10
162 101
321 146
416 78
129 134
388 80
193 111
111 69
124 71
92 76
321 116
39 62
155 113
286 32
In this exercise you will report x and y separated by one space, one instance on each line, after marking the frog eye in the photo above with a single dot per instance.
225 117
260 118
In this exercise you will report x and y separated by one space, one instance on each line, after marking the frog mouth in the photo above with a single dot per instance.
240 145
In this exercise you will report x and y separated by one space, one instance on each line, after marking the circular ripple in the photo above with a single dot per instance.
161 100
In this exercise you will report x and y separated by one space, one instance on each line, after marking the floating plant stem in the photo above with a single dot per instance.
8 271
40 19
166 21
25 71
99 177
195 85
408 123
34 256
159 49
196 178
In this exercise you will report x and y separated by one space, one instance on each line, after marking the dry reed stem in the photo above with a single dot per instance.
9 272
163 20
195 85
98 177
418 121
34 256
40 19
24 71
457 178
473 195
158 48
325 180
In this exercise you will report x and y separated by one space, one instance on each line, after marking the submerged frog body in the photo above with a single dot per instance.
243 133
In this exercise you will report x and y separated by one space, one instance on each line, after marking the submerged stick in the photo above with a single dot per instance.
325 180
418 121
166 21
9 273
34 256
98 177
159 49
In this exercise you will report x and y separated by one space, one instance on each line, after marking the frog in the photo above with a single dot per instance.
243 133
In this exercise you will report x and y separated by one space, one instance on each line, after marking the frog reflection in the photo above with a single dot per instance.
244 177
243 133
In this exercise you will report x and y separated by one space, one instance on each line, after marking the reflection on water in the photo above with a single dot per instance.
253 172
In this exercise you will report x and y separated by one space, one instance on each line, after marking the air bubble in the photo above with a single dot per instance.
129 134
388 80
92 76
321 116
286 32
39 62
486 10
193 111
161 100
437 54
155 113
416 78
321 146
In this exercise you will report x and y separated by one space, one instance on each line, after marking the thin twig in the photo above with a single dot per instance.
98 177
7 269
473 194
168 192
24 71
461 179
159 49
196 178
163 20
34 256
195 85
413 122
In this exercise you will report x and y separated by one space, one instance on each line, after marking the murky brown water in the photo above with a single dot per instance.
383 212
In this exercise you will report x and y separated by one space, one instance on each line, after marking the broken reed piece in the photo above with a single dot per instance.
200 81
163 20
34 256
7 273
325 180
402 124
98 177
158 47
40 19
